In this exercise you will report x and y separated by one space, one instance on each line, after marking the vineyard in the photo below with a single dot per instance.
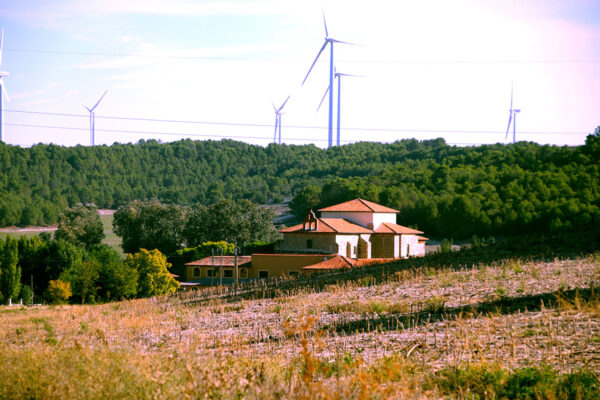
433 328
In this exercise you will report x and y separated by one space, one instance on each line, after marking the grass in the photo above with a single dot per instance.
109 236
420 333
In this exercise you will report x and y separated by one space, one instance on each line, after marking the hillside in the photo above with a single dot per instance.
513 325
444 190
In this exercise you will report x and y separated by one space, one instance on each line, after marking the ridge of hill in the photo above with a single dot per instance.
444 190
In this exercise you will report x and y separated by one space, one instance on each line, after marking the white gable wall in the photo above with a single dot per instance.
409 246
362 218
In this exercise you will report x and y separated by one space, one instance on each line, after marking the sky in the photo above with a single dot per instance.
213 69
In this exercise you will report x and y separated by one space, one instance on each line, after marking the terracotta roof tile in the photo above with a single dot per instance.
360 205
422 238
228 261
388 227
341 262
329 225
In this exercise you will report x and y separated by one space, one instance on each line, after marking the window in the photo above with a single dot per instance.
211 273
228 273
243 273
263 274
196 271
309 244
294 273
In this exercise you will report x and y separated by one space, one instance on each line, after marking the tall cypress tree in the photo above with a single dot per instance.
10 278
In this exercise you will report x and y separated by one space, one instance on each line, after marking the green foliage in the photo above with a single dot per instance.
149 224
445 246
26 294
83 279
10 272
482 381
189 254
116 280
530 383
445 190
153 274
238 222
58 291
477 381
80 225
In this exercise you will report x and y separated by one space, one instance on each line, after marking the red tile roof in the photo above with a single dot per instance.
422 238
341 262
228 261
360 205
329 225
388 227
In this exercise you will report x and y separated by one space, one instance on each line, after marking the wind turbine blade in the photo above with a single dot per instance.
509 121
4 91
323 99
274 108
87 109
355 76
342 42
286 100
325 23
98 102
314 62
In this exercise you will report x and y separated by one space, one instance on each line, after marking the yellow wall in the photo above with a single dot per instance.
281 264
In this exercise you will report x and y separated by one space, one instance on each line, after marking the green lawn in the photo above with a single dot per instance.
109 237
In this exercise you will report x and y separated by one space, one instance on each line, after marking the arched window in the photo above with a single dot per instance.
196 271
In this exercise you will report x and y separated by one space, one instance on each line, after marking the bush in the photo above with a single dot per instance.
580 385
530 384
58 292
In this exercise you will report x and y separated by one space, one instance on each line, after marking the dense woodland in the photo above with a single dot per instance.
446 191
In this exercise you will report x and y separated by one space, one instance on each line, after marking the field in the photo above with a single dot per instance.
106 216
416 329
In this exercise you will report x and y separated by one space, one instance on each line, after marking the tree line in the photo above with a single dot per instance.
74 266
444 190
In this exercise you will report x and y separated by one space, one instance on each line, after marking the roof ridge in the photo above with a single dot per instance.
366 205
321 219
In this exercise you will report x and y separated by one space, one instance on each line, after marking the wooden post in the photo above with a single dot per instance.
235 262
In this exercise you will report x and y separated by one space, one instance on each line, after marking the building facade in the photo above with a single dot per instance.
357 229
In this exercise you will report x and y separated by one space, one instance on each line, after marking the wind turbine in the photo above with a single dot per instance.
278 114
338 76
512 117
93 119
330 41
2 89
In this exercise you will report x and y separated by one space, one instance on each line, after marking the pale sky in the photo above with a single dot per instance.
431 68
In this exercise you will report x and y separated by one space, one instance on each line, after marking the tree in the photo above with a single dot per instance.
232 221
10 272
308 199
58 292
116 281
153 274
83 279
80 225
150 225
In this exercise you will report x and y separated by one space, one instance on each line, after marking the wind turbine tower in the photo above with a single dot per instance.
2 89
93 120
338 76
278 113
329 41
512 118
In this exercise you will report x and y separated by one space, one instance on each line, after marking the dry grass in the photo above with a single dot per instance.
338 343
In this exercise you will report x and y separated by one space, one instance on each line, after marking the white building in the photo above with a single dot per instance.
356 229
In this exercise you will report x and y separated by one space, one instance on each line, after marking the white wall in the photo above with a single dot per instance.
362 218
406 242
